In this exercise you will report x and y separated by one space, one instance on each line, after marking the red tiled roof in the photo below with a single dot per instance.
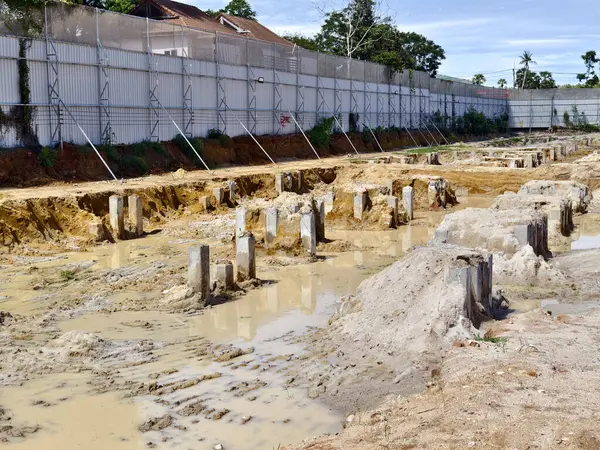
256 30
189 16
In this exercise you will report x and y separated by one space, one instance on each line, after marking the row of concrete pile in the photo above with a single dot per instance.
444 291
541 210
511 157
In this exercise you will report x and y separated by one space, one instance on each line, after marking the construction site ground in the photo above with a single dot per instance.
101 346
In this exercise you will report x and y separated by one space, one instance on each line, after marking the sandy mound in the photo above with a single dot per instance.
525 268
414 307
495 230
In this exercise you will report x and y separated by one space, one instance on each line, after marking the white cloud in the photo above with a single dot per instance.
541 42
425 27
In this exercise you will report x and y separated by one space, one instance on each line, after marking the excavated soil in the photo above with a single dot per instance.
102 343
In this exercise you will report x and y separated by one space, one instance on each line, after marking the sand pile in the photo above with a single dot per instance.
414 308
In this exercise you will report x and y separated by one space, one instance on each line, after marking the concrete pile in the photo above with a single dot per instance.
504 231
579 194
559 210
414 309
289 223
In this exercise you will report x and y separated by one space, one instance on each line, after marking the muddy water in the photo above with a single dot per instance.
71 418
271 413
587 233
296 298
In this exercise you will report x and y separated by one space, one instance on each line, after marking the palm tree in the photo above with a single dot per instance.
479 79
502 83
526 61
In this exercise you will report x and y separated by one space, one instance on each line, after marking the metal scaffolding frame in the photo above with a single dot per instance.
393 113
188 103
54 100
299 95
380 107
153 87
277 101
200 52
337 99
106 132
221 95
353 99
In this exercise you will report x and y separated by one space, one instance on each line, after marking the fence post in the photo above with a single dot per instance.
188 99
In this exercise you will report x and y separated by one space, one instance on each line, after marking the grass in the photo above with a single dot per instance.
493 340
67 275
435 148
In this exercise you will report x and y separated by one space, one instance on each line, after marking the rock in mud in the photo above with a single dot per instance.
156 424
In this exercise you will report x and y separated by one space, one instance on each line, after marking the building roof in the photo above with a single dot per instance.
252 29
190 16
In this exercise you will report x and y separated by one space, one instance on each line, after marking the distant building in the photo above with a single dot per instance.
195 45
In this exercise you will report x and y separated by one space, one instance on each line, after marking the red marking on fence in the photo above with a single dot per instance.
285 120
496 93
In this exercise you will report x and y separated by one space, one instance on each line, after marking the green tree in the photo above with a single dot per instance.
411 51
590 60
353 31
306 42
360 31
526 61
502 83
527 79
547 81
121 6
479 79
240 8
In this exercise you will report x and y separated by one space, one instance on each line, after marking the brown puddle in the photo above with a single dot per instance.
71 418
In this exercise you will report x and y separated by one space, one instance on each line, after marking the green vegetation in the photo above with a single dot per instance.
320 135
198 144
47 157
470 123
67 275
479 79
135 164
111 152
493 340
140 148
579 121
239 8
217 135
353 119
363 32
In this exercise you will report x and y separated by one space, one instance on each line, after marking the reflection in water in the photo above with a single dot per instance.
587 234
306 295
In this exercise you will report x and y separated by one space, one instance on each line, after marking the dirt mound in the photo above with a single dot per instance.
387 339
526 268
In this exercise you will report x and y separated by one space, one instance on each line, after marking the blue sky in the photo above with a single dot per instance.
478 36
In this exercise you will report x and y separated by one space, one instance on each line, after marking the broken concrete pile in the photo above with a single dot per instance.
559 210
505 231
579 194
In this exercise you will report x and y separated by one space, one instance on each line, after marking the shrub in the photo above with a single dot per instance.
214 133
47 157
225 141
135 164
139 148
197 143
367 137
111 152
320 135
158 148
